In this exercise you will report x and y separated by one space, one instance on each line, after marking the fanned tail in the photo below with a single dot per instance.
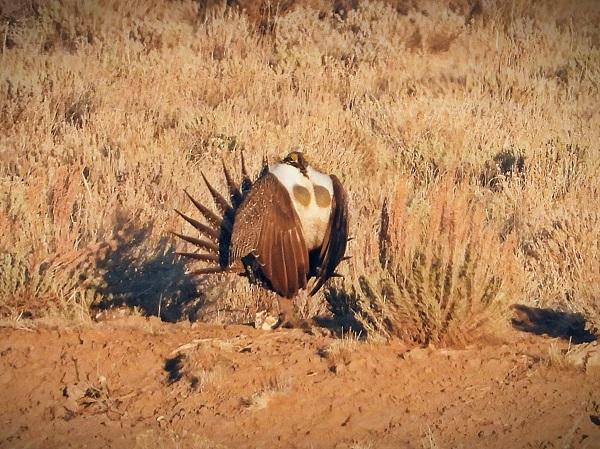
217 229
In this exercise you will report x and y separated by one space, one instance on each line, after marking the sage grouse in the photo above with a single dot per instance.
289 225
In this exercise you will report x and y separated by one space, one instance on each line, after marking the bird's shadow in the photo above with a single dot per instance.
139 273
342 318
554 323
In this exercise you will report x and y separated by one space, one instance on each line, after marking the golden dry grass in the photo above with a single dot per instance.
482 117
445 273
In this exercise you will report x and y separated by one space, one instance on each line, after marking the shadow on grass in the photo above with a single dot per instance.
554 323
342 319
138 272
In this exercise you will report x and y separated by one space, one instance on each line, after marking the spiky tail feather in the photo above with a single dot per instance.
219 228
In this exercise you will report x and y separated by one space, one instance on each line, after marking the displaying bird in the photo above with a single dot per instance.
286 227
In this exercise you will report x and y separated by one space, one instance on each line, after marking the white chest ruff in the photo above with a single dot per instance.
314 218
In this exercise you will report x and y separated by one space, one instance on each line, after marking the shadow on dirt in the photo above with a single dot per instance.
342 320
554 323
138 272
174 368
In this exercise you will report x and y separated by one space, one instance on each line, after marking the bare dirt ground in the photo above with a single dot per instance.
137 382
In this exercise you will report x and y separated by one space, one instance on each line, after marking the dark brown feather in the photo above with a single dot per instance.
336 237
279 280
246 181
208 270
207 231
263 253
220 201
265 166
291 263
299 270
203 257
301 255
214 220
262 222
204 244
234 190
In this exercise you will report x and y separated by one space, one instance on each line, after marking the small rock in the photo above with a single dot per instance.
264 321
74 392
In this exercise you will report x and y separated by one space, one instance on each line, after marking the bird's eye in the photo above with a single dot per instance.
294 157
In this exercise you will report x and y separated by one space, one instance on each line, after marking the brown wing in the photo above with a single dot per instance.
336 236
266 225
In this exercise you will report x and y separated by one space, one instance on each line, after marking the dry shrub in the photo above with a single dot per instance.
33 287
445 276
43 266
553 212
562 260
56 265
126 270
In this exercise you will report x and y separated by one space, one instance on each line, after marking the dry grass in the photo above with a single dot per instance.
584 357
445 274
563 358
271 388
482 117
341 350
428 441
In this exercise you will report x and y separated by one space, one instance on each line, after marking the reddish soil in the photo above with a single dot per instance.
142 383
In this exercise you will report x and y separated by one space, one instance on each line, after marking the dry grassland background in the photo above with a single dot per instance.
466 133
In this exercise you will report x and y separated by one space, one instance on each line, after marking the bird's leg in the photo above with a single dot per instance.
287 314
288 318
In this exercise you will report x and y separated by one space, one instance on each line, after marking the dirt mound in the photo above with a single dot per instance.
136 382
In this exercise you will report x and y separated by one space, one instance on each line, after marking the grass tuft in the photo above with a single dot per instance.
445 273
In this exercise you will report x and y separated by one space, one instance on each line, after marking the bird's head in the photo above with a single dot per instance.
296 159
